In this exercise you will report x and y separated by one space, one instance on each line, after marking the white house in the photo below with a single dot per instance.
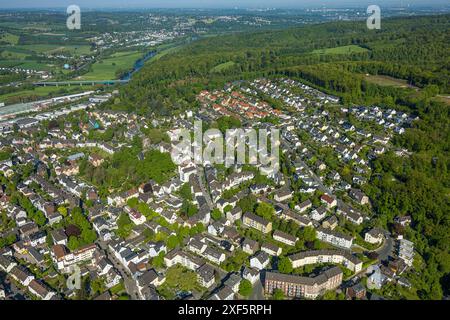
260 260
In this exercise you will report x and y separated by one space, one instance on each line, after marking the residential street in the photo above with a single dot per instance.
130 284
201 177
322 187
386 249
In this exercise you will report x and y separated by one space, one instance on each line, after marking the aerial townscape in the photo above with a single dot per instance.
94 206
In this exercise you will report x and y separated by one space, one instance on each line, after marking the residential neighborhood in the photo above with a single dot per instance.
93 195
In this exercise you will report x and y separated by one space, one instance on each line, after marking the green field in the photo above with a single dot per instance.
341 50
42 93
9 38
13 54
16 55
27 64
164 52
107 68
387 81
444 98
51 48
222 66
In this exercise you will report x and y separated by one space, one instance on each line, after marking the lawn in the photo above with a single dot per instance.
341 50
118 289
107 68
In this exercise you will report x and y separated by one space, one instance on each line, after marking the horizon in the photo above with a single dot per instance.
221 4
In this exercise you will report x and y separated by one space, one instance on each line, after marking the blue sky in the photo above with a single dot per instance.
209 3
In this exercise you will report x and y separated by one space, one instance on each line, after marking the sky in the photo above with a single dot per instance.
4 4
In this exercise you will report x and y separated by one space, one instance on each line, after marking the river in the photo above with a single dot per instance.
138 65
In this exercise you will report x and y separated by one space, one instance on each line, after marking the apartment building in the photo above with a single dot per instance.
303 287
256 222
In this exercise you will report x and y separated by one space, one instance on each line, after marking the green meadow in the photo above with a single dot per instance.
106 69
341 50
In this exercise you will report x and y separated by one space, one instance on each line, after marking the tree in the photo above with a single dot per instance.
224 123
172 242
62 211
124 225
158 261
216 214
188 208
307 234
245 288
285 265
265 210
278 294
329 295
73 243
248 204
97 286
6 241
185 192
39 218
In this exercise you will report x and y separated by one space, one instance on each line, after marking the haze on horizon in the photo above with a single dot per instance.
7 4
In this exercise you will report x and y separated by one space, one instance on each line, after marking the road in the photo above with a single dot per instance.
386 249
258 291
130 284
201 179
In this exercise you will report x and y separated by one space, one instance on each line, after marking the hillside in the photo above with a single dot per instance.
412 49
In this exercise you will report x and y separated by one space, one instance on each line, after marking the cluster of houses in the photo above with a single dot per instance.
237 104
